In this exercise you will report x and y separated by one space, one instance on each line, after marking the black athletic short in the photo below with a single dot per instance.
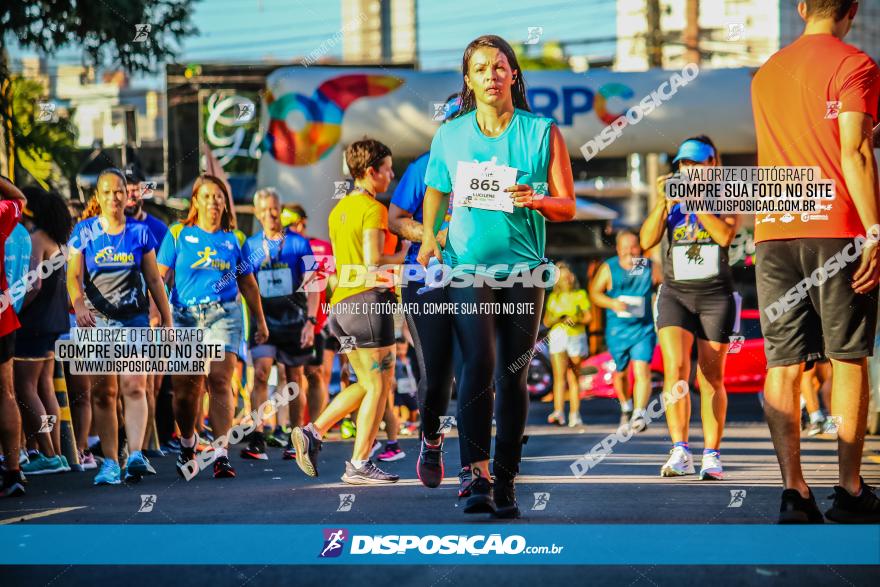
807 313
7 347
708 315
34 346
364 320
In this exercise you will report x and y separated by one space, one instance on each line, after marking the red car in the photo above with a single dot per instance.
744 372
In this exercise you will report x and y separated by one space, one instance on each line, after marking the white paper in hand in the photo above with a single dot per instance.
482 185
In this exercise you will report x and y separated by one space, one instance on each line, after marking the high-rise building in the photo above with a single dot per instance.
379 31
733 33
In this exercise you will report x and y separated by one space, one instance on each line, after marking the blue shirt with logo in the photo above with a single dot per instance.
113 282
289 252
18 259
206 264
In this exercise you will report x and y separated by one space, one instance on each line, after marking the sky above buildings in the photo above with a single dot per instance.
253 30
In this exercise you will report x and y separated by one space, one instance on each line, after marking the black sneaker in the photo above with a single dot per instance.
505 498
289 453
464 482
797 510
369 474
430 465
256 448
480 500
849 509
13 484
187 454
222 468
307 447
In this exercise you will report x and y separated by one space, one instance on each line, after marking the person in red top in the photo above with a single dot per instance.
815 103
11 206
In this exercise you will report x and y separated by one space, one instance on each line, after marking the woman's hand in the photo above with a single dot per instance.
262 333
661 192
307 338
84 317
619 306
429 249
524 196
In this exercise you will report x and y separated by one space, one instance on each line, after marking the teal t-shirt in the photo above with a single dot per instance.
490 237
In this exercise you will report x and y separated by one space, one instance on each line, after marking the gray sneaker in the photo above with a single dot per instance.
369 474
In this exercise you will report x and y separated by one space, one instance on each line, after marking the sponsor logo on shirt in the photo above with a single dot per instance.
207 261
191 239
108 257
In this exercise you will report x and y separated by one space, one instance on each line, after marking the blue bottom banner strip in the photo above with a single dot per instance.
518 544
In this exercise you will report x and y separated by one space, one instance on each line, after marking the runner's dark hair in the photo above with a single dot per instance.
468 101
49 213
825 8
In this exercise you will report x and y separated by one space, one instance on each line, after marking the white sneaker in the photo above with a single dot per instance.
638 424
574 420
557 418
711 468
680 463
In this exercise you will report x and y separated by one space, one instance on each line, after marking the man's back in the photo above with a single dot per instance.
796 98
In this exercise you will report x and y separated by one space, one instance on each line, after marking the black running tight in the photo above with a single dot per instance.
496 331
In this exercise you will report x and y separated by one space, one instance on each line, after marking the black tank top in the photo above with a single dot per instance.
693 261
47 313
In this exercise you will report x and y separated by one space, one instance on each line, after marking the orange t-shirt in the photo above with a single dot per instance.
796 126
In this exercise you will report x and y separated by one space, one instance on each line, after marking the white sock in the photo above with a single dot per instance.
188 442
358 464
220 452
627 406
314 431
817 416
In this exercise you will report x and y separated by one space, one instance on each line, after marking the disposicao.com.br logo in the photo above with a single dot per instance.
432 544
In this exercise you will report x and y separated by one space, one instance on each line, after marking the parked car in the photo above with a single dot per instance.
744 373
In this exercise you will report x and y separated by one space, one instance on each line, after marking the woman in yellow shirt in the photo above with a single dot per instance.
567 314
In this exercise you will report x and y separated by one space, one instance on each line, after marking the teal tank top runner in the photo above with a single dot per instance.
491 237
634 288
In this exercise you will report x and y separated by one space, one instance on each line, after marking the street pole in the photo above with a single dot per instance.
653 41
692 32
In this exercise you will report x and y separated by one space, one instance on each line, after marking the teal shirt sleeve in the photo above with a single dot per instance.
438 175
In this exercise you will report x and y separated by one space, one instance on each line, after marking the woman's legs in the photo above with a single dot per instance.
574 388
79 393
713 397
104 394
134 398
221 402
46 389
559 362
187 391
375 370
295 407
27 379
675 344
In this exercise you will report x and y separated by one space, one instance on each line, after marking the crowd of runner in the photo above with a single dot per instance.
263 298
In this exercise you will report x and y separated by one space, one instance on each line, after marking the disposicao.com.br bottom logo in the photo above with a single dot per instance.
454 544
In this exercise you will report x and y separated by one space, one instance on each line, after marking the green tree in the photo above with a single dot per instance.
551 57
44 148
105 30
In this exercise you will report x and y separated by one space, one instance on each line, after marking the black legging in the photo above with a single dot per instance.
499 344
433 338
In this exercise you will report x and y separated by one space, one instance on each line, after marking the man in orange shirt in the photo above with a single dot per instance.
815 103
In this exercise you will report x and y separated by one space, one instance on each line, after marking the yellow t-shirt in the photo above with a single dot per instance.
354 214
574 304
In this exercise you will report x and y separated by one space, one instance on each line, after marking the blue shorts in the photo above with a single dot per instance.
136 321
638 349
222 320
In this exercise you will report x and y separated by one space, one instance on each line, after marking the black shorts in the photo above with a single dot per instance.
807 313
364 320
7 347
708 315
317 358
35 346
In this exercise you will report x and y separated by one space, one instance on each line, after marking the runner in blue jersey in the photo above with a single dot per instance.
138 191
111 265
209 266
522 177
695 304
622 285
279 260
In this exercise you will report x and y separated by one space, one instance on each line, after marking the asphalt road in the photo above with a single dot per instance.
625 488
